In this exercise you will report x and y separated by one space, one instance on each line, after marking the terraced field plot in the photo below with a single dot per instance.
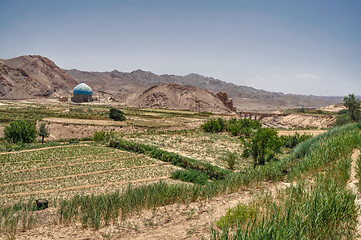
68 170
203 146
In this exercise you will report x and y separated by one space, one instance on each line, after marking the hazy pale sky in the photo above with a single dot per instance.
290 46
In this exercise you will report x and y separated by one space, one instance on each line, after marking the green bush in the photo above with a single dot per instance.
238 215
231 160
237 127
190 175
100 136
343 119
214 125
292 141
20 132
116 114
242 127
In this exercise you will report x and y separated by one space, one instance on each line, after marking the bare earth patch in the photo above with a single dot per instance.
352 185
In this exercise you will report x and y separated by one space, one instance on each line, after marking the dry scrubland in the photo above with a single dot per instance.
310 192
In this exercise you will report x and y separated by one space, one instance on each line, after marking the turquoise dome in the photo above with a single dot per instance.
82 88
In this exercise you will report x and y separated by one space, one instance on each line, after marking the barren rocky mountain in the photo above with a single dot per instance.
36 76
245 98
32 76
174 96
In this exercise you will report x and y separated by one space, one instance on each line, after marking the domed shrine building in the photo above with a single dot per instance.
82 93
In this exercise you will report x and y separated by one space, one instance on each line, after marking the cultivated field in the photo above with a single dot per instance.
61 172
203 146
158 175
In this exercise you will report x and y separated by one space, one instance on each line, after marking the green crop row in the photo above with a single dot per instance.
214 172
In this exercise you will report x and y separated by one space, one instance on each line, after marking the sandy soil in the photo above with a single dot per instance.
353 186
333 108
299 121
301 132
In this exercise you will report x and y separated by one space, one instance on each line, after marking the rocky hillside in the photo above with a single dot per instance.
36 76
180 97
32 76
127 85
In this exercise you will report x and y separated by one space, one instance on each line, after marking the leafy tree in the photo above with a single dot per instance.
243 127
20 131
262 146
116 114
353 106
43 132
214 125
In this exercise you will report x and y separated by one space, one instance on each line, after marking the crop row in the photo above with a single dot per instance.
52 153
64 170
102 177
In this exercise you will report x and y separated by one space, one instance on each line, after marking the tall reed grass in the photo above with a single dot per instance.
323 210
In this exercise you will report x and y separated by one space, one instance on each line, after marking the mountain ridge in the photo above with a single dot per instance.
32 76
244 97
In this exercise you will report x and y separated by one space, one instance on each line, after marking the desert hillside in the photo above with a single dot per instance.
174 96
246 98
36 76
32 76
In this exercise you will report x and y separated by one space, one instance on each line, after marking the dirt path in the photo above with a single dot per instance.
302 132
352 184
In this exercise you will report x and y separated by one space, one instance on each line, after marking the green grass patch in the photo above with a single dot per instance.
236 216
190 175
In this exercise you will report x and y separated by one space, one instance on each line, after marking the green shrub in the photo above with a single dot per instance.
214 125
116 114
231 160
343 119
243 127
190 175
100 136
20 132
237 127
301 110
238 215
292 141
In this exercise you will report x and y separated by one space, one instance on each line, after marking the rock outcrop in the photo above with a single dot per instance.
181 97
33 76
223 96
